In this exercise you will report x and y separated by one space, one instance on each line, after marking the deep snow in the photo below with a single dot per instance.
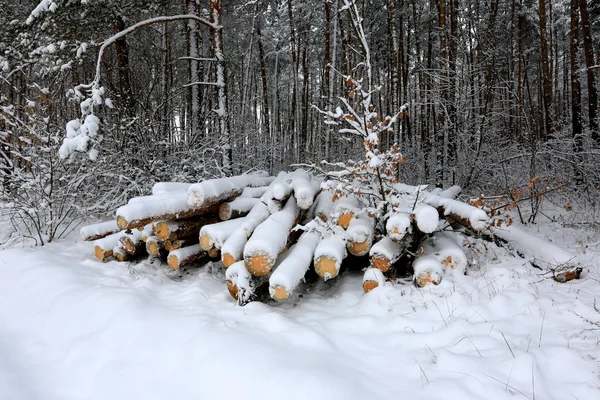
75 328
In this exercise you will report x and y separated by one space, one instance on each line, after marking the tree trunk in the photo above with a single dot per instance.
225 137
546 75
575 85
588 51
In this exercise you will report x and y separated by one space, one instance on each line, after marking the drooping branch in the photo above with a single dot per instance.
135 27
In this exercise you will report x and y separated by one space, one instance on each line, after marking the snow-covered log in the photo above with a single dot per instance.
398 226
233 248
185 255
359 235
291 271
473 217
214 191
254 192
170 187
268 197
324 205
450 193
447 250
120 254
147 232
305 188
215 235
132 242
543 253
270 239
175 229
98 231
154 246
427 218
238 207
175 206
385 253
427 269
329 254
344 209
103 248
372 278
175 244
242 286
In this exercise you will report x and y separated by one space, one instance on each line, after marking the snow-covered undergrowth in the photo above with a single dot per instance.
75 328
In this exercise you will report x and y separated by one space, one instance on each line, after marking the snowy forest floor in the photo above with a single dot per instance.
75 328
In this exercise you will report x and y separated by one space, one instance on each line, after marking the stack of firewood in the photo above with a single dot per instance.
269 231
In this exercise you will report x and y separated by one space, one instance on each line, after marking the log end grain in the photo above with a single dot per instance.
224 212
232 289
259 264
280 294
228 260
161 230
153 248
369 285
381 263
205 242
102 254
326 268
359 248
173 261
345 218
122 223
214 252
428 277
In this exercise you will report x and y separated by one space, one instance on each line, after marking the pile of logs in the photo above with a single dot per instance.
269 231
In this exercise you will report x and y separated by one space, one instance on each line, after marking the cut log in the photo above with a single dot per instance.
242 286
174 207
476 217
268 197
344 209
214 253
185 255
154 246
359 235
233 248
372 278
543 253
175 229
215 235
103 248
270 239
132 242
428 269
254 192
290 272
236 208
170 187
98 231
214 191
147 232
324 205
329 254
398 226
175 244
385 253
427 218
305 188
450 193
120 254
445 247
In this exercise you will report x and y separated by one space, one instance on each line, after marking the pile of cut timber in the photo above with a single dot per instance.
270 231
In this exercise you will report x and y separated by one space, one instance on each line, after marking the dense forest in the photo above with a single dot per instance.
499 95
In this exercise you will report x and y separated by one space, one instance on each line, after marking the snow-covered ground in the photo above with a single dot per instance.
75 328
